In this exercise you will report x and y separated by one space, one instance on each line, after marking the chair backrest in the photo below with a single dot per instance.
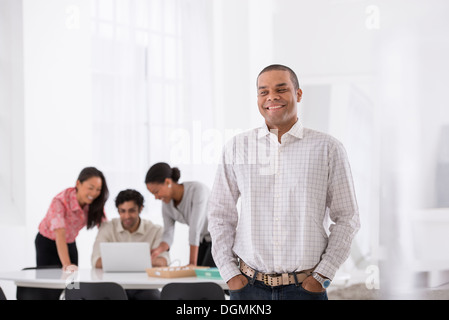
28 293
96 291
192 291
2 295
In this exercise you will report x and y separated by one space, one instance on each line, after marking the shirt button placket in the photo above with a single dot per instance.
277 228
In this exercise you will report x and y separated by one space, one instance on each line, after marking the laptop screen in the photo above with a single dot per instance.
125 256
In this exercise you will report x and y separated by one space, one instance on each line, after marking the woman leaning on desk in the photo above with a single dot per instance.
69 212
183 202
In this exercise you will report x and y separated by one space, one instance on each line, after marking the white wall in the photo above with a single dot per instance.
56 116
412 64
12 198
11 115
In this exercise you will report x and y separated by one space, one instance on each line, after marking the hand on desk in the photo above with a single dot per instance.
157 251
70 268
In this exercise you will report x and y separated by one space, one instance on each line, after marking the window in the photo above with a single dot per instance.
141 70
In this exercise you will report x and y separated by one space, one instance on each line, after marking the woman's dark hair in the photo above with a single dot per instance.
96 208
129 195
161 171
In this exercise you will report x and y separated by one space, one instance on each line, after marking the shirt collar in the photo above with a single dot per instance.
297 130
73 201
140 229
263 131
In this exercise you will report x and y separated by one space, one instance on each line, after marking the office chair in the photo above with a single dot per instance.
192 291
27 293
2 294
96 291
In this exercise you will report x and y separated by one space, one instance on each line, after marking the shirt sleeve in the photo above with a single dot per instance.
157 241
104 235
56 215
223 218
169 226
343 211
198 216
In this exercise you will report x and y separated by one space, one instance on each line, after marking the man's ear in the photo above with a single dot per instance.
298 95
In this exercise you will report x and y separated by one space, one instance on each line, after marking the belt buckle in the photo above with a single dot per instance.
266 280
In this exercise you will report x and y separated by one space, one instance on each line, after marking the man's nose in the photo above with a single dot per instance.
273 96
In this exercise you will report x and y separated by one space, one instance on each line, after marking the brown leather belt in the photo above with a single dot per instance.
276 279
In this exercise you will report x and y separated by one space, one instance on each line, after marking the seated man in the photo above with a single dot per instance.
130 228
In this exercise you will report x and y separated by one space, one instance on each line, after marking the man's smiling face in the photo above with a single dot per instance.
277 99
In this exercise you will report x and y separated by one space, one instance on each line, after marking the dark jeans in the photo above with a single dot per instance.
47 254
259 291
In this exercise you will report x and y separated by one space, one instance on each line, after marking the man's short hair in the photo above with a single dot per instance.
129 195
293 76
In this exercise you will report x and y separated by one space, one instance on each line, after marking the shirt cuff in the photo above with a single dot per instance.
327 269
229 271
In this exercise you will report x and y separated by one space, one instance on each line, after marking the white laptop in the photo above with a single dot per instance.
125 256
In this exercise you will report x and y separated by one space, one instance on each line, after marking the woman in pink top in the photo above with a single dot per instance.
69 212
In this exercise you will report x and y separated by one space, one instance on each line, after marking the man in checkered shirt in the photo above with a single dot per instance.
289 180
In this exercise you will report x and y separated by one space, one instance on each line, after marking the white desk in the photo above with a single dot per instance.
57 279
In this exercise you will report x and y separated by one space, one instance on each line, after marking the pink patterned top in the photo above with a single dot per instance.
64 212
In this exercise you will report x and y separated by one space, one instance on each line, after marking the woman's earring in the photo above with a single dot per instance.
169 185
